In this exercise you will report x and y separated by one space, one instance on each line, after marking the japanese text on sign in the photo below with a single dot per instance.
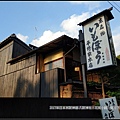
111 111
97 44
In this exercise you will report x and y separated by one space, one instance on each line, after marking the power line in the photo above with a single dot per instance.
116 4
115 7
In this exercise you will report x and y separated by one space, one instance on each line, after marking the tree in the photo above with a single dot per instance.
109 78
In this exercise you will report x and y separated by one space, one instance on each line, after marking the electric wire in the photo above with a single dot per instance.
116 4
114 7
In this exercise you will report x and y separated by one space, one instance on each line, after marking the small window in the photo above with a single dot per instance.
39 63
54 64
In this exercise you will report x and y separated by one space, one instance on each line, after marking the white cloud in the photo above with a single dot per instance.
22 37
116 40
46 37
69 27
96 12
90 4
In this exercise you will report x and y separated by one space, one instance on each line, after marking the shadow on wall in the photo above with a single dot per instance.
26 88
50 83
45 86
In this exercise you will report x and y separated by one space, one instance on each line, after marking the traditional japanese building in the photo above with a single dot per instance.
52 70
28 72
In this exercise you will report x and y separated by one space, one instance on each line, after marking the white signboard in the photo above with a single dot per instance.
97 45
109 108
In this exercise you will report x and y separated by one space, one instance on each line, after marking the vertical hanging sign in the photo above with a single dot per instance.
98 44
109 108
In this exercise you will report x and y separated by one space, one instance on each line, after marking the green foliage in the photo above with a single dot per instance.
118 57
111 75
111 78
92 83
97 104
114 93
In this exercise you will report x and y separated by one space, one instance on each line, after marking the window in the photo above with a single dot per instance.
54 64
39 63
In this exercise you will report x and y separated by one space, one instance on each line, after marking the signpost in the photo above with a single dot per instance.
81 39
98 41
97 44
109 108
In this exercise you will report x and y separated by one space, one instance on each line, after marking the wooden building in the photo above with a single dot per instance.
17 79
28 71
52 70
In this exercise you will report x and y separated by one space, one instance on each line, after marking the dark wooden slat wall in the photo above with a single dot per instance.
42 85
45 83
19 79
19 49
5 55
56 82
50 83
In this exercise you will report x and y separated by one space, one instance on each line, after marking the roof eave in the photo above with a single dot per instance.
35 50
104 12
13 38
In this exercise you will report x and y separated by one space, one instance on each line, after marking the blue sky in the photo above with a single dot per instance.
38 22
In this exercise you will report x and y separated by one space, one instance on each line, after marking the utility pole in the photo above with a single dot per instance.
83 61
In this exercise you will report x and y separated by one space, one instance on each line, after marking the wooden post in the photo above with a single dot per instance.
82 56
103 90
